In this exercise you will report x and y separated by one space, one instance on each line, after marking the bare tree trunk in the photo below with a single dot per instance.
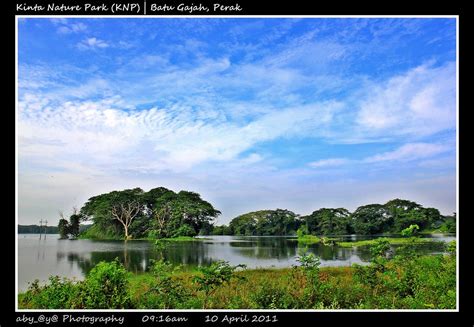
125 214
126 231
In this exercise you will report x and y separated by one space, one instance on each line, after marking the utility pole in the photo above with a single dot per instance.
45 227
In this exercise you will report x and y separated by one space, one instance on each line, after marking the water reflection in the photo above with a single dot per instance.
42 258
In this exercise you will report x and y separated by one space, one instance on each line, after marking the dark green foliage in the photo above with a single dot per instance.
184 230
57 294
394 216
391 217
63 228
371 219
449 224
265 222
162 213
221 230
105 287
74 223
328 222
72 227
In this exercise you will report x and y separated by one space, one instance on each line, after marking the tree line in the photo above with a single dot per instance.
163 213
36 229
391 217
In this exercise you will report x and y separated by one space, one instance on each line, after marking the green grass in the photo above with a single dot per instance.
309 239
391 240
182 239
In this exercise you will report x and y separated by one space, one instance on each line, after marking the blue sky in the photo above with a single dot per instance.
250 113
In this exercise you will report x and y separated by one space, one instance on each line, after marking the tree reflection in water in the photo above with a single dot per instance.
253 251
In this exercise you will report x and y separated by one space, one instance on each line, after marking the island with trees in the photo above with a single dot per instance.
161 213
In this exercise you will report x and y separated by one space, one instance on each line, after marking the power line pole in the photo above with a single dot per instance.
45 228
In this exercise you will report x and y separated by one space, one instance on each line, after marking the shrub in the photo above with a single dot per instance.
309 265
184 230
166 292
211 277
105 287
410 231
58 294
379 248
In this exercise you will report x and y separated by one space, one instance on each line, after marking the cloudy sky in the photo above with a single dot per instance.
250 113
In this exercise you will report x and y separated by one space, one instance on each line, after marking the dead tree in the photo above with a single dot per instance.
125 213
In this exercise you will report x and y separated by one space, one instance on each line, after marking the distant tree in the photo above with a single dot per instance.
265 222
371 219
63 227
74 223
405 213
221 230
328 221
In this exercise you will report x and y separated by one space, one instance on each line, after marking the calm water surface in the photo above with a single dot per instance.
39 259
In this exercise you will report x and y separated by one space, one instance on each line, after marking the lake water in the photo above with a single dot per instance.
39 259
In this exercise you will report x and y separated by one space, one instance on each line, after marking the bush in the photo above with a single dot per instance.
166 292
213 276
380 248
58 294
105 287
309 266
184 230
410 231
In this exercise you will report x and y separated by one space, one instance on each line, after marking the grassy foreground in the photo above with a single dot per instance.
407 281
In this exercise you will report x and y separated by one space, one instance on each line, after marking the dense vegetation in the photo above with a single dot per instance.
265 222
391 217
134 213
403 280
161 213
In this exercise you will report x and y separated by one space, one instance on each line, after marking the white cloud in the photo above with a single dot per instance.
409 152
417 103
72 28
92 43
405 153
65 26
332 162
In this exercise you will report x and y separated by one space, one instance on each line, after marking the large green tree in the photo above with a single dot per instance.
159 213
328 221
371 219
265 222
405 213
114 212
